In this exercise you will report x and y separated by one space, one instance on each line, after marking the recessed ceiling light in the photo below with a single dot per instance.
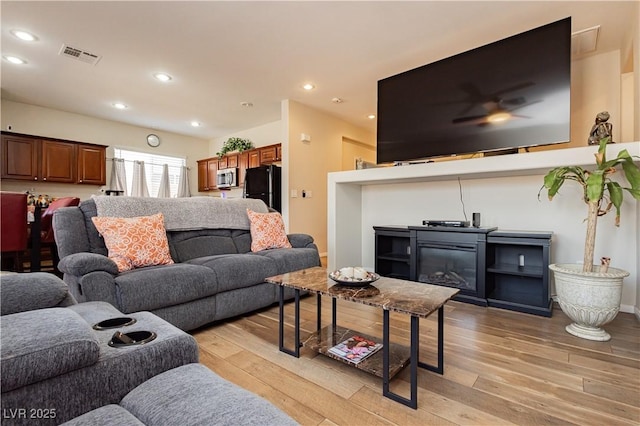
371 116
15 60
119 105
162 77
246 104
23 35
337 100
195 124
308 86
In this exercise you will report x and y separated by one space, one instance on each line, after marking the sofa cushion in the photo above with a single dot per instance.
233 271
187 245
196 395
155 287
288 260
267 231
135 242
45 343
108 415
88 209
25 292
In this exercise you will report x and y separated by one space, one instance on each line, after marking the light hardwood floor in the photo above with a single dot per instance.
501 367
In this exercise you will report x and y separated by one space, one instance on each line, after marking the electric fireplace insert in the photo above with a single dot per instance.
451 257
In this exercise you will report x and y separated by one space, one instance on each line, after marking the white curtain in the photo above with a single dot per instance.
139 184
118 181
183 183
164 191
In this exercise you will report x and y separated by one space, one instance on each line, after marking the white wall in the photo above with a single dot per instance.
266 134
309 162
40 121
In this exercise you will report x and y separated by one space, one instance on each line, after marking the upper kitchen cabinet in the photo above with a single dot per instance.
58 161
20 157
92 164
34 158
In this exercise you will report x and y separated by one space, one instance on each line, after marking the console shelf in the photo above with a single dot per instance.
518 278
393 253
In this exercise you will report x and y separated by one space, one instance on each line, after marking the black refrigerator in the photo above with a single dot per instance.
264 183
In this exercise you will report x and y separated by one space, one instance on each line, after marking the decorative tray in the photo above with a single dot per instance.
340 278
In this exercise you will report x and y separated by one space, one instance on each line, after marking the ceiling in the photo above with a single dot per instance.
221 54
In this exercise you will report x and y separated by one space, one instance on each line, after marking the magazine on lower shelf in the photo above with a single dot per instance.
355 349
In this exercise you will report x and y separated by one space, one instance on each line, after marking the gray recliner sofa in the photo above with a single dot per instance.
215 274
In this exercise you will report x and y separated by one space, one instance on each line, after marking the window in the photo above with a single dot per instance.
153 169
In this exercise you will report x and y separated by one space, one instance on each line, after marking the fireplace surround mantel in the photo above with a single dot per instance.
359 199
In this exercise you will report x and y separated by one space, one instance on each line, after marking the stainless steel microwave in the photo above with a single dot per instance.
226 178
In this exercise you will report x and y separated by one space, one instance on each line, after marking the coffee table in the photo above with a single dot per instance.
418 300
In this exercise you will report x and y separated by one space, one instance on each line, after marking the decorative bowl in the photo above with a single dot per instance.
354 282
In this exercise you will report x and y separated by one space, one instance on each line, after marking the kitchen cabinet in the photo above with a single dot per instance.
243 164
58 161
207 172
20 157
268 154
208 167
35 158
254 158
91 164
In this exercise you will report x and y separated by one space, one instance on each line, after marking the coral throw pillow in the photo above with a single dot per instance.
267 231
135 242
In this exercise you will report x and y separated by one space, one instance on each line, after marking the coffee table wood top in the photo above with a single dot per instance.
407 297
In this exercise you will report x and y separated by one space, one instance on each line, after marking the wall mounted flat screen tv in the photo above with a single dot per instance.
509 94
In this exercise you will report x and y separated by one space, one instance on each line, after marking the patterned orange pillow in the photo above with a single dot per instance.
135 242
267 231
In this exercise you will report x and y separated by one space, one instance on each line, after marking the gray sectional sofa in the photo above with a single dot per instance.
215 274
57 368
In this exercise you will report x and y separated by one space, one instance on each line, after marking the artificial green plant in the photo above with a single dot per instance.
235 144
600 192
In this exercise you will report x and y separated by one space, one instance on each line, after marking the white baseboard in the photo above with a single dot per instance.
637 312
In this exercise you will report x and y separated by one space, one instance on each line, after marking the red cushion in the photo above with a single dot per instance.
46 220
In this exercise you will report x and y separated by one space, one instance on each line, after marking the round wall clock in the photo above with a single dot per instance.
153 140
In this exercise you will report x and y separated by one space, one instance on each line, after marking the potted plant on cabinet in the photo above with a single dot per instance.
590 294
235 144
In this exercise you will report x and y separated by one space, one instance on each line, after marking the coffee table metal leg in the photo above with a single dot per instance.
334 315
319 313
440 367
296 348
411 402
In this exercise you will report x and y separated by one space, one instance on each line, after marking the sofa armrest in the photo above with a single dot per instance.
38 345
27 292
79 264
300 240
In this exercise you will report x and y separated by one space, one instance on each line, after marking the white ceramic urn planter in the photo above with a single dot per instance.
590 299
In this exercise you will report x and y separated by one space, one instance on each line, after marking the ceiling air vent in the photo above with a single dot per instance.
79 54
584 41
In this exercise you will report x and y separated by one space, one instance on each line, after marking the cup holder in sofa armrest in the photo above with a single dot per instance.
114 323
120 340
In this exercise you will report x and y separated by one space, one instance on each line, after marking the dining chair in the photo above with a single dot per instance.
13 227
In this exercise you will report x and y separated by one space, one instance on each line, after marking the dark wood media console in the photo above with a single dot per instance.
504 269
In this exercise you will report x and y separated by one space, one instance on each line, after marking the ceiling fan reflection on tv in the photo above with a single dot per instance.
497 108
